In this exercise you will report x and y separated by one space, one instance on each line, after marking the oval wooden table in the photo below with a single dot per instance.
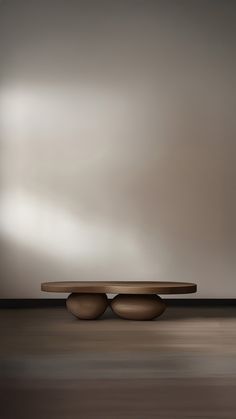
135 300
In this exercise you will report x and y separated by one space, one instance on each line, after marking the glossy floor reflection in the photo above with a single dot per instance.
183 365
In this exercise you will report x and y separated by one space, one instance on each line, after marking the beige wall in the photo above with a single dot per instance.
117 143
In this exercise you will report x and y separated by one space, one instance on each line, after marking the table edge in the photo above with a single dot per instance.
187 288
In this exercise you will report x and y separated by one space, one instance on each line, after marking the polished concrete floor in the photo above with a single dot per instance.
180 366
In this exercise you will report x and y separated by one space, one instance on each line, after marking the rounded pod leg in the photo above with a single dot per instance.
138 306
87 306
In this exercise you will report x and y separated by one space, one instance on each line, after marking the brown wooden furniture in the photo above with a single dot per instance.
135 300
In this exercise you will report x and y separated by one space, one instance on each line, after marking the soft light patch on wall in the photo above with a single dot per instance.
64 237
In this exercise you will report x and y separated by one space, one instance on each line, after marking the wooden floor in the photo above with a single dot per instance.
181 366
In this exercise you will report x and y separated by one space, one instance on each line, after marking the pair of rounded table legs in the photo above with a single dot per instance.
127 306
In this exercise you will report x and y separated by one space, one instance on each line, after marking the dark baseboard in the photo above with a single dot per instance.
32 302
200 302
171 302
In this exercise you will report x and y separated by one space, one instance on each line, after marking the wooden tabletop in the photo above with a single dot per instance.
156 287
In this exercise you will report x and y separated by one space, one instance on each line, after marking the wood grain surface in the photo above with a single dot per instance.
157 287
180 366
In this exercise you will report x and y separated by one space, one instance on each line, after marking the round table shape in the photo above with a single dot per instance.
135 300
120 287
